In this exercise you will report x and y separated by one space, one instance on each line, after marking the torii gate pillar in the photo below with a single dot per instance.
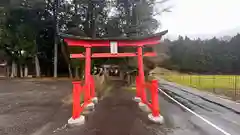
87 73
89 88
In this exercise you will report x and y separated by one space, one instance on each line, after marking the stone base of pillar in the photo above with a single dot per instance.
95 100
137 99
144 107
77 122
157 119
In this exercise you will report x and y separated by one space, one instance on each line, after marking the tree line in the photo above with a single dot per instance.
29 30
212 56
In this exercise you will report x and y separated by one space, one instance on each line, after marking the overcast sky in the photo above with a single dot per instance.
201 16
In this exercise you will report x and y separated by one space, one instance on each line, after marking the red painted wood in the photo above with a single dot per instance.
141 73
76 99
154 98
89 87
87 95
99 43
107 55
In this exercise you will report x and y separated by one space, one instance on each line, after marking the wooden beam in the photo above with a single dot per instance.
109 55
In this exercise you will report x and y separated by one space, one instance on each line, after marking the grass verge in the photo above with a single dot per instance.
227 85
226 82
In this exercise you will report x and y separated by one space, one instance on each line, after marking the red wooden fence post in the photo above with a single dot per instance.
154 96
76 99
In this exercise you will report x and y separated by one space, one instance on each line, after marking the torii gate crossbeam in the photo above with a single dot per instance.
113 44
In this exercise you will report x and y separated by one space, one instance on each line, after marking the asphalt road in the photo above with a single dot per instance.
182 122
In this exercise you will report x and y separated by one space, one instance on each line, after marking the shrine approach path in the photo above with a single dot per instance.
116 114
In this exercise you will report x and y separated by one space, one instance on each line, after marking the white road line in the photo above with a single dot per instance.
199 116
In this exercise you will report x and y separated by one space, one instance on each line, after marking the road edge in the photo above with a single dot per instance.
226 103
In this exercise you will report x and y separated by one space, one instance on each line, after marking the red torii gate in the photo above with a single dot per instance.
113 43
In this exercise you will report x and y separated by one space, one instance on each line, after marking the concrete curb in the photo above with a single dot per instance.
226 103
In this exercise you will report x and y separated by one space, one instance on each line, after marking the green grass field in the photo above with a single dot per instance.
227 85
205 82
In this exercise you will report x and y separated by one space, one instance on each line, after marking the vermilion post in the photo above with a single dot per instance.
154 96
140 80
92 87
76 99
87 74
141 74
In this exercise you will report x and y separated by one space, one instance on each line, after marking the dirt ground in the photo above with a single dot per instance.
26 105
30 107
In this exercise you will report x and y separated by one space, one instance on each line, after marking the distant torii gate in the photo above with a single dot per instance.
88 87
